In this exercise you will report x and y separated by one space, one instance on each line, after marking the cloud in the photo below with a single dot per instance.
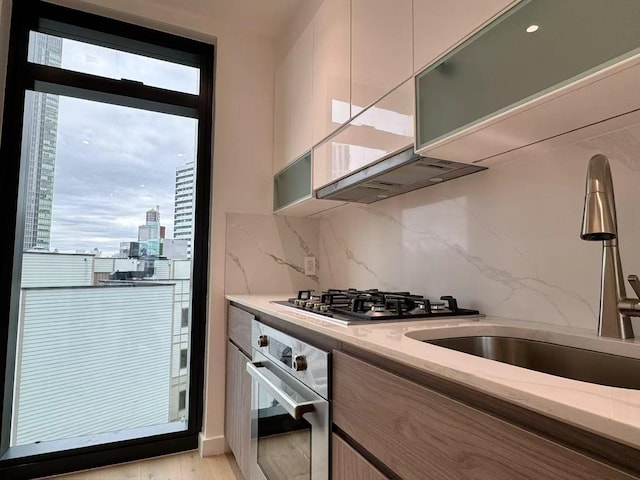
110 63
113 164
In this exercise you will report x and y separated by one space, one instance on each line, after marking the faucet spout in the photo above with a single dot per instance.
599 220
599 223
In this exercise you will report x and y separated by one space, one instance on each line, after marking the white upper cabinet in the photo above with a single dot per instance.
440 25
384 128
293 99
331 67
381 49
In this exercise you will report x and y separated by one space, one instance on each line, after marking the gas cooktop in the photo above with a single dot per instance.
352 306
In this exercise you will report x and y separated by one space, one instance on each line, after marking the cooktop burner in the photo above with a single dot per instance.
367 306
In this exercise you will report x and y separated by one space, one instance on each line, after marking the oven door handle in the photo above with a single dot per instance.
268 381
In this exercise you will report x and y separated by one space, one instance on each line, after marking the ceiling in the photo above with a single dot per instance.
265 18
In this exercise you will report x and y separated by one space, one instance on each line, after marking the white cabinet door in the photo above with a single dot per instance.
280 115
331 67
384 128
381 49
438 26
293 100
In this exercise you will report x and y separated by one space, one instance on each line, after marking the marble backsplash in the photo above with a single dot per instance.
504 241
265 253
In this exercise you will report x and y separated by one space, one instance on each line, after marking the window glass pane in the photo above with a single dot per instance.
183 358
106 269
110 63
185 318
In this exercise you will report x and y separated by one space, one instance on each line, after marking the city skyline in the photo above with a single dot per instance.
111 169
113 162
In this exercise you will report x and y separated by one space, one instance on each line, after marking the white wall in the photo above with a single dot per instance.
505 241
295 26
110 265
265 254
56 270
245 67
181 269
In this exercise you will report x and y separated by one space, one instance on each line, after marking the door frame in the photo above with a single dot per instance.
21 76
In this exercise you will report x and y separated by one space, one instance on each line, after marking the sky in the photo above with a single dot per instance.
114 163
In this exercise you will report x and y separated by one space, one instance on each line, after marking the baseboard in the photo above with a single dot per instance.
212 446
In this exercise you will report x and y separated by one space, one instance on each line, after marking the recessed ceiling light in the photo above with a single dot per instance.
532 28
142 185
86 142
181 154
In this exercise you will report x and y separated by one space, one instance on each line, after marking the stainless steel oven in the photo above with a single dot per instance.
290 425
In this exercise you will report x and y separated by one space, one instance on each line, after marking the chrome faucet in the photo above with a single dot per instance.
599 223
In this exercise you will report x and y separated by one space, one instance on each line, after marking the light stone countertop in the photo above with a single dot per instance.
609 411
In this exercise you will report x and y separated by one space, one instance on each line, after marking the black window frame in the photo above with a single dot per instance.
38 15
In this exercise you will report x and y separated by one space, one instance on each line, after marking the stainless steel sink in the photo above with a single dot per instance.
564 361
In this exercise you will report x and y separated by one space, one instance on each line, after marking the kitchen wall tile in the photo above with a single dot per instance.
504 241
265 253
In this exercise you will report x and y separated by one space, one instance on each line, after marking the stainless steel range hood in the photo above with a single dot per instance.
399 173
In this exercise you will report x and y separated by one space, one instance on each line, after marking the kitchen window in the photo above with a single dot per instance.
99 118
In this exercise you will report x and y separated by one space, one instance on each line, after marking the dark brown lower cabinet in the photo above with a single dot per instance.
237 422
348 464
420 434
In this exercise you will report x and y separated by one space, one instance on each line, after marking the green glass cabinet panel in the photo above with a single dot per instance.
532 49
292 183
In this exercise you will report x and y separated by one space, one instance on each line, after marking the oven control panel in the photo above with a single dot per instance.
307 363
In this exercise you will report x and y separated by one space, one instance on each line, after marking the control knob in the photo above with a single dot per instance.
299 363
263 341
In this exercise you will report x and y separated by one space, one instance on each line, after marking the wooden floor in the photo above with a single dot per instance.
182 466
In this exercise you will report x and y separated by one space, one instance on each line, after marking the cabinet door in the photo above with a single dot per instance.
239 327
237 422
293 184
331 67
420 434
381 49
530 51
293 100
347 464
438 26
382 129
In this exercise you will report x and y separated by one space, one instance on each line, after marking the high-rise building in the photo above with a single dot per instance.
39 147
150 233
183 205
153 215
